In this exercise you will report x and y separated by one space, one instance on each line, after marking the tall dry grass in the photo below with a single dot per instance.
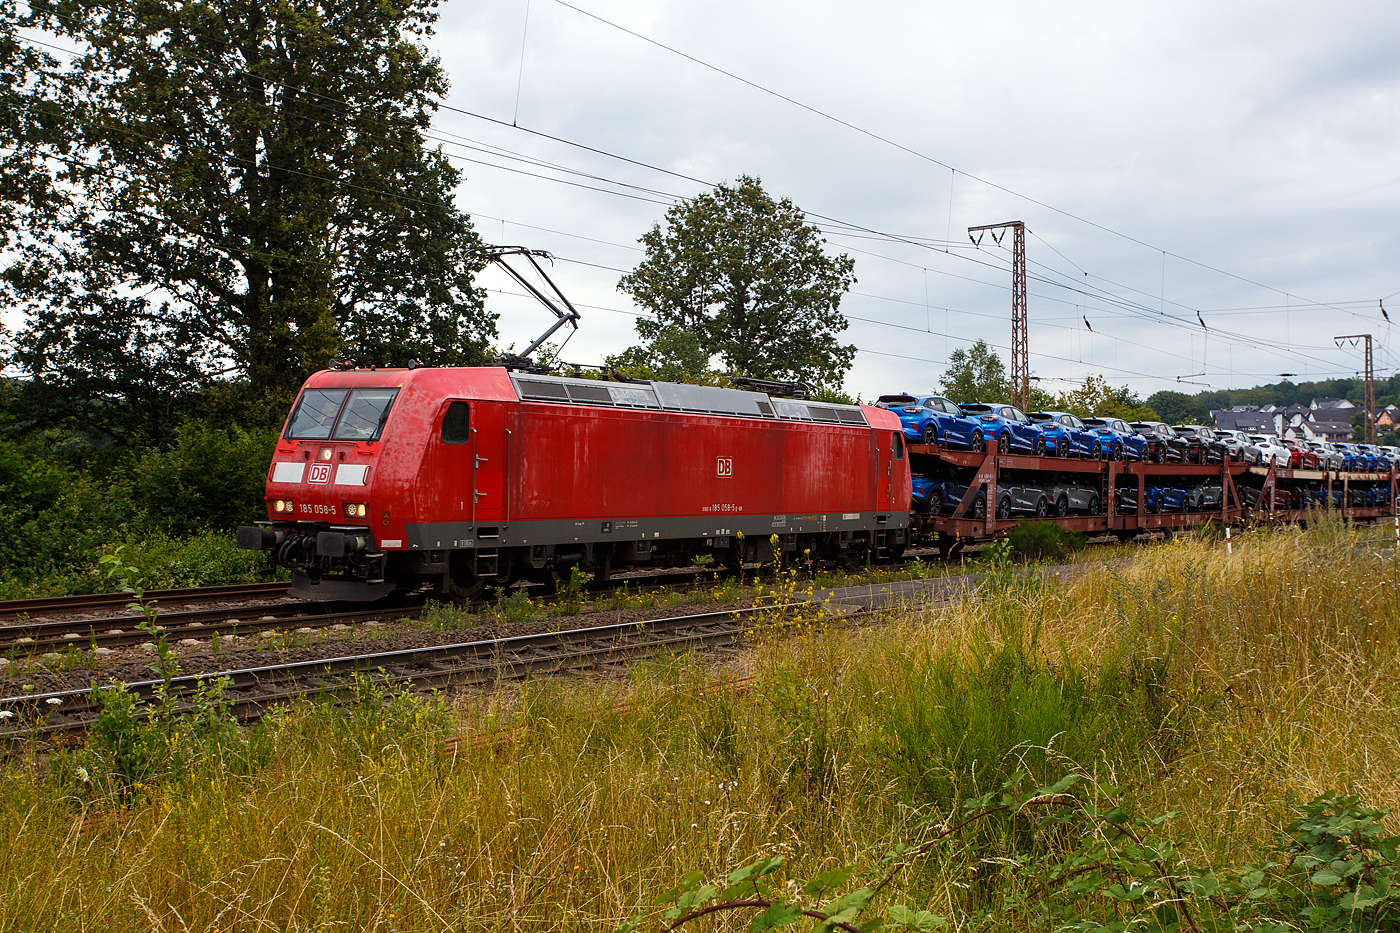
1227 687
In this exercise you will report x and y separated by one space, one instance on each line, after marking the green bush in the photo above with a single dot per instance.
1043 541
211 477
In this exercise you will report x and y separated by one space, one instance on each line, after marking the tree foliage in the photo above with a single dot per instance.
230 190
976 374
1097 397
749 277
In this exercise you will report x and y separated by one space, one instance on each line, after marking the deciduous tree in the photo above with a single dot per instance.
247 193
749 277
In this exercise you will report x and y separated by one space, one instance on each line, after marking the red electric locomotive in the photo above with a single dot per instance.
464 478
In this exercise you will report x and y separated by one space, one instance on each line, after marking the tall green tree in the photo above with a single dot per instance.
247 193
749 277
976 374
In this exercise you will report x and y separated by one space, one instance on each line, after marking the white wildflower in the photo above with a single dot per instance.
54 701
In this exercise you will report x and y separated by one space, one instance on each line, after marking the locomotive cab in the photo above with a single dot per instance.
321 488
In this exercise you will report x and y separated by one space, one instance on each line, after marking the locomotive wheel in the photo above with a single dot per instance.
1039 448
930 435
1062 505
464 594
976 442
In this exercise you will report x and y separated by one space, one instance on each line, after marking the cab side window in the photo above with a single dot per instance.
456 423
898 446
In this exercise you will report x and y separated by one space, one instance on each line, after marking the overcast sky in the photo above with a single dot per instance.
1241 160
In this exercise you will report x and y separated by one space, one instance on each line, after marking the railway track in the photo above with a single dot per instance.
23 635
253 690
16 610
250 691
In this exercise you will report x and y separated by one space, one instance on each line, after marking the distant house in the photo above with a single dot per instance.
1388 417
1330 404
1330 424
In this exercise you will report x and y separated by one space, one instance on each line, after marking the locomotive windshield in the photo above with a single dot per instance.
340 414
364 414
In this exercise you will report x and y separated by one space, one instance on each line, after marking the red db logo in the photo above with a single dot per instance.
724 467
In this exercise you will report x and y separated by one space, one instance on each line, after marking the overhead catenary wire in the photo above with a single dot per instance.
922 242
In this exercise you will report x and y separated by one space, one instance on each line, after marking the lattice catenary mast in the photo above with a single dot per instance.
1020 340
1370 383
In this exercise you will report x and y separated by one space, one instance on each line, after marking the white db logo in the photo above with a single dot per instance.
320 473
724 467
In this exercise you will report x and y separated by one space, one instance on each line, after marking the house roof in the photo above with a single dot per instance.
1331 403
1232 420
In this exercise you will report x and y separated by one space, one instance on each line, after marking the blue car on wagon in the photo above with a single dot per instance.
1009 425
1065 435
941 497
1119 441
933 419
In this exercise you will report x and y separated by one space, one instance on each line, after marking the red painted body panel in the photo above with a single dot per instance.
601 463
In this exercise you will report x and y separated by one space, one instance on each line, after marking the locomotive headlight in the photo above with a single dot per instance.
356 510
281 505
